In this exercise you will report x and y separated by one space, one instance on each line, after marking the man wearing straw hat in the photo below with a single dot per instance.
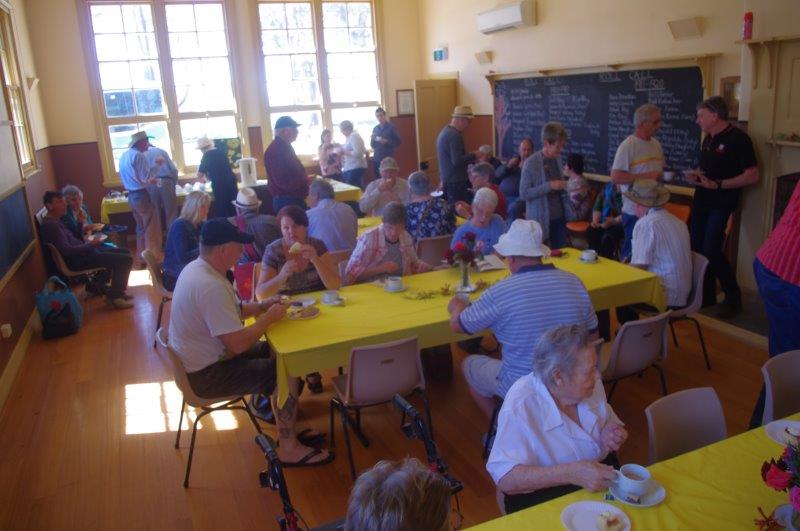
453 158
262 227
136 175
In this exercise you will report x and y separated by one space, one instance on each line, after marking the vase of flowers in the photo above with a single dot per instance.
784 475
464 253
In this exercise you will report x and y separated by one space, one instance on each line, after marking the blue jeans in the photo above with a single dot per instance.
628 222
355 177
782 303
279 202
559 237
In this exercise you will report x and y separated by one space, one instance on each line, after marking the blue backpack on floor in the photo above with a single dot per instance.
59 310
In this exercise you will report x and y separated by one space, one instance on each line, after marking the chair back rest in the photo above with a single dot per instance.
782 386
681 212
40 214
695 301
637 346
342 269
378 372
341 256
684 421
431 250
154 268
58 260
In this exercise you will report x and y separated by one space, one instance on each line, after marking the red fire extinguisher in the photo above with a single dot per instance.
747 26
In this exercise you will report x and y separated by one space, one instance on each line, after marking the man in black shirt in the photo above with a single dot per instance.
727 164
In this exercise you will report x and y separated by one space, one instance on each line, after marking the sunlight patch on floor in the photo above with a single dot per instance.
139 278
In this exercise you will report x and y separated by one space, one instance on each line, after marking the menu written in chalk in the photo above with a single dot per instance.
597 110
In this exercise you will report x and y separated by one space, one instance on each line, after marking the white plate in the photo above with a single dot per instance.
654 496
775 429
395 290
295 316
307 301
589 261
582 516
99 237
338 302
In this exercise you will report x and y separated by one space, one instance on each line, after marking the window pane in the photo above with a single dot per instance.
217 97
212 43
344 90
301 41
298 15
185 71
278 68
118 103
149 101
145 74
120 135
110 47
306 92
183 44
337 40
274 42
209 17
137 18
190 98
141 46
272 16
334 15
359 15
18 116
106 19
216 70
361 39
308 133
180 17
115 75
363 119
192 130
304 67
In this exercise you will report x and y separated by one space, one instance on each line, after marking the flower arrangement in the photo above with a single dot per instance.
465 253
784 474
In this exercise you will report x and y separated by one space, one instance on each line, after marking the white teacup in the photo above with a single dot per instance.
633 479
330 297
668 176
394 283
589 255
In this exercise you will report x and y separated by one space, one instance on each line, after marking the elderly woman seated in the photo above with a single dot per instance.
427 216
77 219
480 176
385 250
398 496
383 191
484 223
556 432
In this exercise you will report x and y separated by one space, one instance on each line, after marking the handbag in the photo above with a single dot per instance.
243 273
58 308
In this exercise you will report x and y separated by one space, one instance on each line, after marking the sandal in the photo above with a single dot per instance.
306 460
307 438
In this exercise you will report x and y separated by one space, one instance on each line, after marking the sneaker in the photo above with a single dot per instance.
127 297
120 303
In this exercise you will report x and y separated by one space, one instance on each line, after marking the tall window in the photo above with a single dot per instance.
167 74
320 65
12 85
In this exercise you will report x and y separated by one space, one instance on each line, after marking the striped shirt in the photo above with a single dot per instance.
521 308
661 242
781 252
635 155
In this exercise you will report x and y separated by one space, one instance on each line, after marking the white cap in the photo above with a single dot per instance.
524 238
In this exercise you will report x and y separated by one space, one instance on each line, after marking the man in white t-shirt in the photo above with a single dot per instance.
638 157
221 355
354 160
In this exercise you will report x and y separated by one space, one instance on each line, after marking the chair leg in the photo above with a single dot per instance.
332 414
250 414
158 323
702 341
672 328
180 425
428 412
663 380
191 447
357 429
491 433
613 387
345 422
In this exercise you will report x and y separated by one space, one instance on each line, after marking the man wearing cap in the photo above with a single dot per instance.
136 175
727 164
163 194
262 227
222 356
384 139
336 224
288 182
518 309
383 191
216 167
453 158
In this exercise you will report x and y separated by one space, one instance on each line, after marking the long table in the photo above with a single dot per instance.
369 222
716 487
371 315
119 205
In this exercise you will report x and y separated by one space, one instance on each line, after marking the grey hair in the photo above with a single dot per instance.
394 213
419 183
190 211
486 149
400 496
321 188
347 125
552 132
71 189
643 113
559 348
485 196
483 169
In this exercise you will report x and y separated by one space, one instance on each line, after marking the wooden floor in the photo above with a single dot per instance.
86 436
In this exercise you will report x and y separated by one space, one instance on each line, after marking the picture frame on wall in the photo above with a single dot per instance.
405 102
730 90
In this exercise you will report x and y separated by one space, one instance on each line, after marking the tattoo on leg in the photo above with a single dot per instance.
285 413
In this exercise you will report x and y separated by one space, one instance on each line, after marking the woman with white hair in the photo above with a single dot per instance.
216 167
354 161
427 216
556 432
183 238
484 223
77 219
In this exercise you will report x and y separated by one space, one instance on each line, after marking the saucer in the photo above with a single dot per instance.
589 261
306 301
337 302
583 515
776 429
395 290
654 496
306 313
98 237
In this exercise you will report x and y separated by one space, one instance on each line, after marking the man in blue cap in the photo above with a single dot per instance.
288 181
221 355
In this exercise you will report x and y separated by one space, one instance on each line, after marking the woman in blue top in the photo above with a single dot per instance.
487 226
183 239
77 219
605 234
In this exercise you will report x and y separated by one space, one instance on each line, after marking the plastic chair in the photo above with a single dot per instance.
341 256
682 212
699 266
207 406
639 345
62 266
490 435
578 229
376 374
782 385
157 278
684 421
431 250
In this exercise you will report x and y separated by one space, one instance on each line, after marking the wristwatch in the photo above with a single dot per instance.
719 185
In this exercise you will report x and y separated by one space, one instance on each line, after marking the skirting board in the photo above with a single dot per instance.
10 372
745 336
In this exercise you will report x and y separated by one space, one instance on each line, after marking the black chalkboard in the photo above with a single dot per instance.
597 110
16 232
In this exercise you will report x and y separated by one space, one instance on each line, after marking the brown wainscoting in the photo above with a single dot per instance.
79 164
406 153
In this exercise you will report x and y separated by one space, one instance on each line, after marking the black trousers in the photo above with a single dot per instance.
707 231
457 191
606 242
117 261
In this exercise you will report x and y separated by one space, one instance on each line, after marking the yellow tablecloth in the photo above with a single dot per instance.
716 487
109 206
372 315
366 223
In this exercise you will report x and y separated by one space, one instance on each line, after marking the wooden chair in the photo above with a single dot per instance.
782 385
157 278
207 405
684 421
431 250
638 346
376 374
682 212
699 266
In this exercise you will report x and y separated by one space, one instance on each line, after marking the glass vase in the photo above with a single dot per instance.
465 286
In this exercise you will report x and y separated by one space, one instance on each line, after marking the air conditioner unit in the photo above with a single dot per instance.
508 16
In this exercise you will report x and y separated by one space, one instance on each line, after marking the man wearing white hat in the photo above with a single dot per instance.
264 228
518 309
383 191
453 158
136 175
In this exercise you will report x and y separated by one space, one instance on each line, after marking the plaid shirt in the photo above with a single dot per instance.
371 248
